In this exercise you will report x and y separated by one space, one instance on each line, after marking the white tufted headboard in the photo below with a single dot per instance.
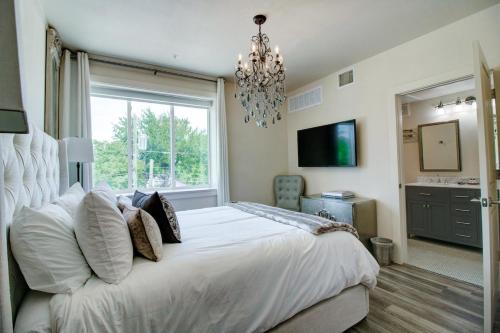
33 172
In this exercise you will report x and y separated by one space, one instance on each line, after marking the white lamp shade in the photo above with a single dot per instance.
79 150
12 115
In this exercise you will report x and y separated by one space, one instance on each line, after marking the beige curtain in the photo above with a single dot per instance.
221 146
74 105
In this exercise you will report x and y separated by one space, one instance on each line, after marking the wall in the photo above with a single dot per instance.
31 26
441 54
423 112
256 154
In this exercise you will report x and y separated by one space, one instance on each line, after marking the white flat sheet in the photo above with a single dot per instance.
233 272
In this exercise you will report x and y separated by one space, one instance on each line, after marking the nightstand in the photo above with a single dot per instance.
359 212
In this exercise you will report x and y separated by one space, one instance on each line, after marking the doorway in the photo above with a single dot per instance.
440 175
484 80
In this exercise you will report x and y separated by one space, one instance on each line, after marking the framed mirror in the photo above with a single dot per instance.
52 63
439 146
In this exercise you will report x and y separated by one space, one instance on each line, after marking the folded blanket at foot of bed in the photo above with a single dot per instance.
314 224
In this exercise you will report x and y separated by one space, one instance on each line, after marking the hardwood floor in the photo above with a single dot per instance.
409 299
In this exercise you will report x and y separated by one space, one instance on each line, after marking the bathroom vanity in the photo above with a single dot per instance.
444 212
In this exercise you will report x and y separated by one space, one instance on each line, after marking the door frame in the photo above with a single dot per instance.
396 165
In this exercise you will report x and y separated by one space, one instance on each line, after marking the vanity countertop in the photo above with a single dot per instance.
450 185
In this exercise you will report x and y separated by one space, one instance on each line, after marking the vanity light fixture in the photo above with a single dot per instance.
469 100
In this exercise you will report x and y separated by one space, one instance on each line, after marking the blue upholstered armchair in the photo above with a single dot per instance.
287 191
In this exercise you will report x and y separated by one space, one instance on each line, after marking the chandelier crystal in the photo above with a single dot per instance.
261 80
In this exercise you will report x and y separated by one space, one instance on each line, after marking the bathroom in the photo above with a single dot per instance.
441 181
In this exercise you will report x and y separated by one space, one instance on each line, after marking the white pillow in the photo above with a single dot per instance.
44 245
105 190
103 236
71 199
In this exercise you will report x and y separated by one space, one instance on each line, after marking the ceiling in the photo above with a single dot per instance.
443 90
316 37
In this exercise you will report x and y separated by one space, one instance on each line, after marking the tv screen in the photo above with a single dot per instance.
328 145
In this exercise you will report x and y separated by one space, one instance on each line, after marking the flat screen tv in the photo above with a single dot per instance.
332 145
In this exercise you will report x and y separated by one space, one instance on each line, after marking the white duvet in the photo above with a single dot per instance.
233 272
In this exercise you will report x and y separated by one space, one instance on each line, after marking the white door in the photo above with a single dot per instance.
487 173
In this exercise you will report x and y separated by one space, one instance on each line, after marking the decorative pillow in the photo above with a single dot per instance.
145 233
123 202
162 211
44 245
105 190
70 200
103 236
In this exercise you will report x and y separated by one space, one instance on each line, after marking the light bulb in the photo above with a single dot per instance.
277 49
246 65
239 57
253 47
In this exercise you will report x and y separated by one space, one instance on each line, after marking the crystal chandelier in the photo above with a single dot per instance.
261 80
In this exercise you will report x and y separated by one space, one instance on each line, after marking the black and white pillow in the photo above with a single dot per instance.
162 211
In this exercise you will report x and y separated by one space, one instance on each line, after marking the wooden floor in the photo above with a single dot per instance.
409 299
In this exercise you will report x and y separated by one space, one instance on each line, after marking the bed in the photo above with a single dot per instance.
233 272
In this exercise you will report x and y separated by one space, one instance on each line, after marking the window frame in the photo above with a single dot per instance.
132 95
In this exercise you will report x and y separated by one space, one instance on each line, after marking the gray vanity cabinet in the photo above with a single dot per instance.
444 213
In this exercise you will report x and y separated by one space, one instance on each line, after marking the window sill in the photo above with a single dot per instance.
178 193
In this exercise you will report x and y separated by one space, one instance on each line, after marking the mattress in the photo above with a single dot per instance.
233 272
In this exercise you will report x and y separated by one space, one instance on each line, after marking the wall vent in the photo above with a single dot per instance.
306 99
346 78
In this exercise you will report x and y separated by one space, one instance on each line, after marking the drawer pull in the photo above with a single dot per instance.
464 223
426 194
462 196
466 236
462 210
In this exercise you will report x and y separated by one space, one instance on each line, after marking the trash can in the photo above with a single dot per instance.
382 249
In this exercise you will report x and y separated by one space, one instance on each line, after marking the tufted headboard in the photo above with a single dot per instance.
33 172
287 191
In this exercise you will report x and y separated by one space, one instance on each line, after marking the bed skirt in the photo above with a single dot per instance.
332 315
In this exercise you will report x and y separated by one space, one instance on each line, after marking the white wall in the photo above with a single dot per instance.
441 54
423 112
256 154
31 26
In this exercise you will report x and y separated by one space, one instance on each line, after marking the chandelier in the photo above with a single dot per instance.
261 80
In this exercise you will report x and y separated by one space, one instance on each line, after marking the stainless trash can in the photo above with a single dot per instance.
382 249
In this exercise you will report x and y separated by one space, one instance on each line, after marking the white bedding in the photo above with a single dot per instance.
233 272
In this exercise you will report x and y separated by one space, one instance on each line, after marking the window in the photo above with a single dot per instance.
146 140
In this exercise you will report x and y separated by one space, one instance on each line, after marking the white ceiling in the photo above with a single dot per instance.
444 90
317 37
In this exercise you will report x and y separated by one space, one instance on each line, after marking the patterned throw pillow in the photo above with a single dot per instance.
145 233
123 202
162 211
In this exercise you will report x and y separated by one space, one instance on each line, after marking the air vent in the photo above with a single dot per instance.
306 100
346 78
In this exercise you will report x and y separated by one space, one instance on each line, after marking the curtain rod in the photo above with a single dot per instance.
146 67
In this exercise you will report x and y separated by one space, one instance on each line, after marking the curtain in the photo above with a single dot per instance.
221 146
5 306
74 104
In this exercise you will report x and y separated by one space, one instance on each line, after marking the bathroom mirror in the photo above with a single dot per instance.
439 146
